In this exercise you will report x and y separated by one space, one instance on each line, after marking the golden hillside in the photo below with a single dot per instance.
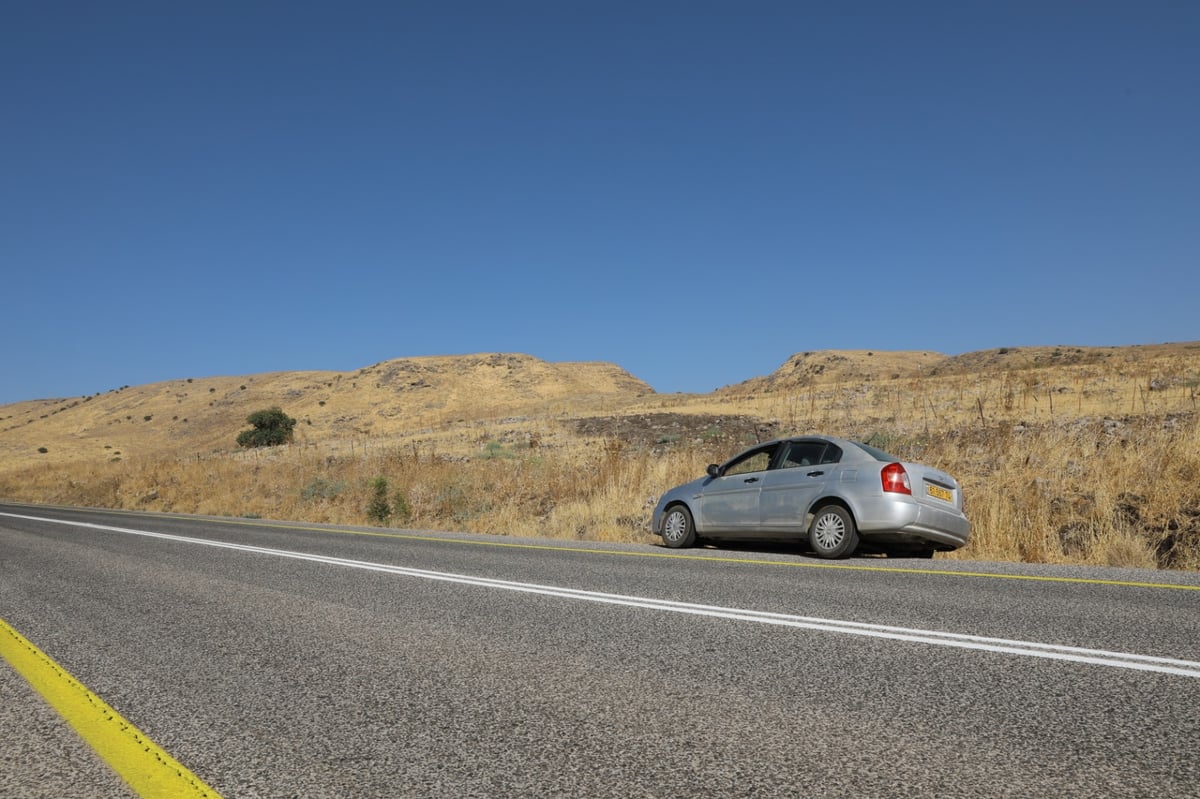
808 369
191 416
832 366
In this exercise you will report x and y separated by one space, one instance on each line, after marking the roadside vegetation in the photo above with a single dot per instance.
268 428
1074 461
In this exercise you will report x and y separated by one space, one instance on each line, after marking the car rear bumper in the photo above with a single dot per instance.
947 527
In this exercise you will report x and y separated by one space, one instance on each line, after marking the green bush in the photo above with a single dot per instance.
271 428
379 510
320 488
495 449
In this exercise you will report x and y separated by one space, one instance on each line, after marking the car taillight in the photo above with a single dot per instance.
895 479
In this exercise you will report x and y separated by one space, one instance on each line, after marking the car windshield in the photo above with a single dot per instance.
877 454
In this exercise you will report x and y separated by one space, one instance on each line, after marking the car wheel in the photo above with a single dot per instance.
678 528
833 533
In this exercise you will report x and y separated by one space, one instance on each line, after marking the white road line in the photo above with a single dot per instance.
1097 657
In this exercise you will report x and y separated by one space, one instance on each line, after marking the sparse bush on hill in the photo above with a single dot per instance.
496 449
272 427
320 488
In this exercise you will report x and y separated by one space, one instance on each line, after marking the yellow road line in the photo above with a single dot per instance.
151 772
678 555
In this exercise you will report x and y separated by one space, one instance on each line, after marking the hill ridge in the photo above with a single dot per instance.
197 414
400 396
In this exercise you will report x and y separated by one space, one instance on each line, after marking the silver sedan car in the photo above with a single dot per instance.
832 493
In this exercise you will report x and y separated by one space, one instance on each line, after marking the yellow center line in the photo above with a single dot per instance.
150 771
1035 578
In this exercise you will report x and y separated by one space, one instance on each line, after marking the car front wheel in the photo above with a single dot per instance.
678 529
833 533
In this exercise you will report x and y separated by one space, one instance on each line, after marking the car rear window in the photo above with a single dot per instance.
877 454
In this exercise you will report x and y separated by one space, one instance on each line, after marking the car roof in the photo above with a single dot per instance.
807 437
844 443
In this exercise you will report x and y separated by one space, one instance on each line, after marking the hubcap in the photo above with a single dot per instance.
675 526
829 531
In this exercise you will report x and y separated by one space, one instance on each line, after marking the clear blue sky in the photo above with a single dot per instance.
692 190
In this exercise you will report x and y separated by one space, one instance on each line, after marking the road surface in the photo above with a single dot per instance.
298 660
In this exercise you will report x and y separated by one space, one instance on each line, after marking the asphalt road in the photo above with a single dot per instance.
392 663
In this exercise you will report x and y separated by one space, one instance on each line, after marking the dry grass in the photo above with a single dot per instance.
1085 456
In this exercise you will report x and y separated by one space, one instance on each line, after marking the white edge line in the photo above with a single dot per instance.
1099 657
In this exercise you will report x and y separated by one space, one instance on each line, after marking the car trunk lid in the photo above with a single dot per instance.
934 487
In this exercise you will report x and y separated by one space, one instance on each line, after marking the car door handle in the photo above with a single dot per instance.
815 474
751 480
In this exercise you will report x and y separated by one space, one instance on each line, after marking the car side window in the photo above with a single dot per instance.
756 461
805 453
832 454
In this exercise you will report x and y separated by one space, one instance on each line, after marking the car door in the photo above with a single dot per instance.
800 476
729 503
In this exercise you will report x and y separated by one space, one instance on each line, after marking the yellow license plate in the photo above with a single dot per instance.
944 494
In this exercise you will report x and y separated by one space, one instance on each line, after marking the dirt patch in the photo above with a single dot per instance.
662 431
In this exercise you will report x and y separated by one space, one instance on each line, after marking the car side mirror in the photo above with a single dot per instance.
714 470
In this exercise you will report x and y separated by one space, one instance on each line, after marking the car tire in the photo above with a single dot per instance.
678 530
833 533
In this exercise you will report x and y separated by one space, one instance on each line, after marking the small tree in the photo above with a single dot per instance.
271 428
379 510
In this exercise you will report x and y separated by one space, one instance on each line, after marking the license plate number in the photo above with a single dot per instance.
938 492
